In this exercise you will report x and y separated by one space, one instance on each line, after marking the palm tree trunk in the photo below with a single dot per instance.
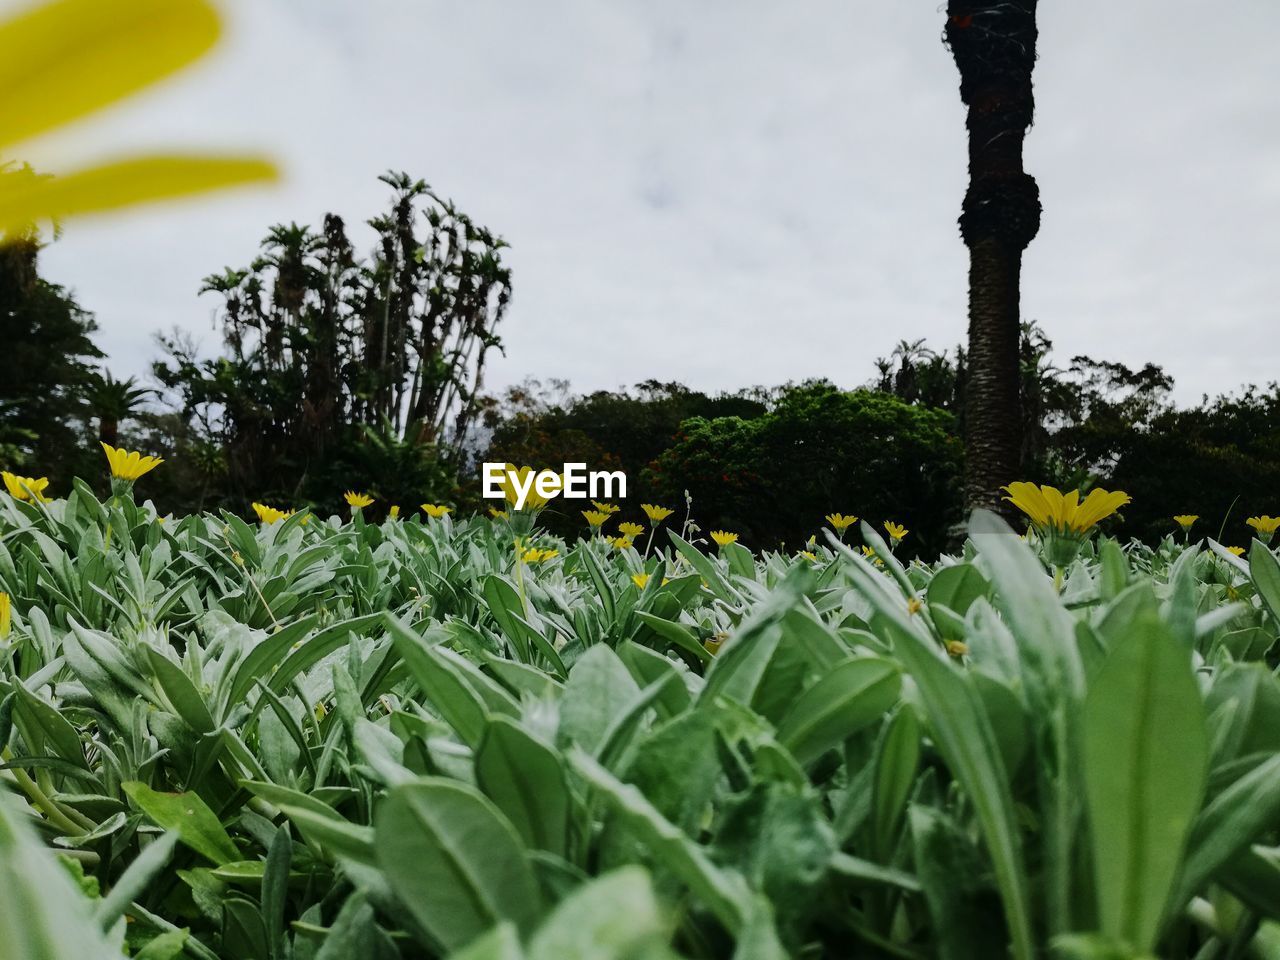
994 45
993 434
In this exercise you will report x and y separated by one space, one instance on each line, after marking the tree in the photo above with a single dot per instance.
46 367
818 449
327 353
112 401
994 46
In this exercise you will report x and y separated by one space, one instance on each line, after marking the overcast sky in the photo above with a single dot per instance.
728 192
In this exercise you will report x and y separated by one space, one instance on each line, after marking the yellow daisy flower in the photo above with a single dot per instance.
270 515
1063 521
631 529
723 538
129 466
896 531
533 500
1185 520
1237 551
535 555
609 508
1264 526
357 500
655 513
620 543
25 488
434 510
596 518
640 579
840 523
1051 510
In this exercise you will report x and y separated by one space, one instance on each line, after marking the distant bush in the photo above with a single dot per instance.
819 449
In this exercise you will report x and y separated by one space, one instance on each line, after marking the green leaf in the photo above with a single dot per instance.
896 764
599 684
134 881
849 698
957 587
1264 570
723 893
1145 753
614 917
525 778
1239 816
454 861
196 825
462 695
960 728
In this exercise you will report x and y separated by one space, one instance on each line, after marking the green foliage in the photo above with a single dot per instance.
775 477
333 739
337 367
46 369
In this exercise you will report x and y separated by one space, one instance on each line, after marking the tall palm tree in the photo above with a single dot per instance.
113 401
994 46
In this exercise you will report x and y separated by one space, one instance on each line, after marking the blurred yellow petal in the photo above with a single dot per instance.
63 60
26 200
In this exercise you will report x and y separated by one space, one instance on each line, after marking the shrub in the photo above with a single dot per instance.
775 477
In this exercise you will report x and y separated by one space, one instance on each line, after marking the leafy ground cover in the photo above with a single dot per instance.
321 739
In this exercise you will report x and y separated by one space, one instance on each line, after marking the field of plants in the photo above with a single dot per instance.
304 738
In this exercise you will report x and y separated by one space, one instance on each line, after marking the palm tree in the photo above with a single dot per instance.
112 401
994 46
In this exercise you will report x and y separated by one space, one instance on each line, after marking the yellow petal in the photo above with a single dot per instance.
25 200
63 60
1028 498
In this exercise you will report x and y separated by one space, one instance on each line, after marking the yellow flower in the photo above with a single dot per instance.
640 579
956 648
714 643
67 59
655 514
871 555
269 515
533 500
1062 521
723 538
620 543
435 511
1238 551
608 508
129 466
631 529
498 514
840 523
357 499
914 605
1265 526
1185 520
596 518
1051 510
534 555
394 512
24 488
811 557
6 616
896 531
